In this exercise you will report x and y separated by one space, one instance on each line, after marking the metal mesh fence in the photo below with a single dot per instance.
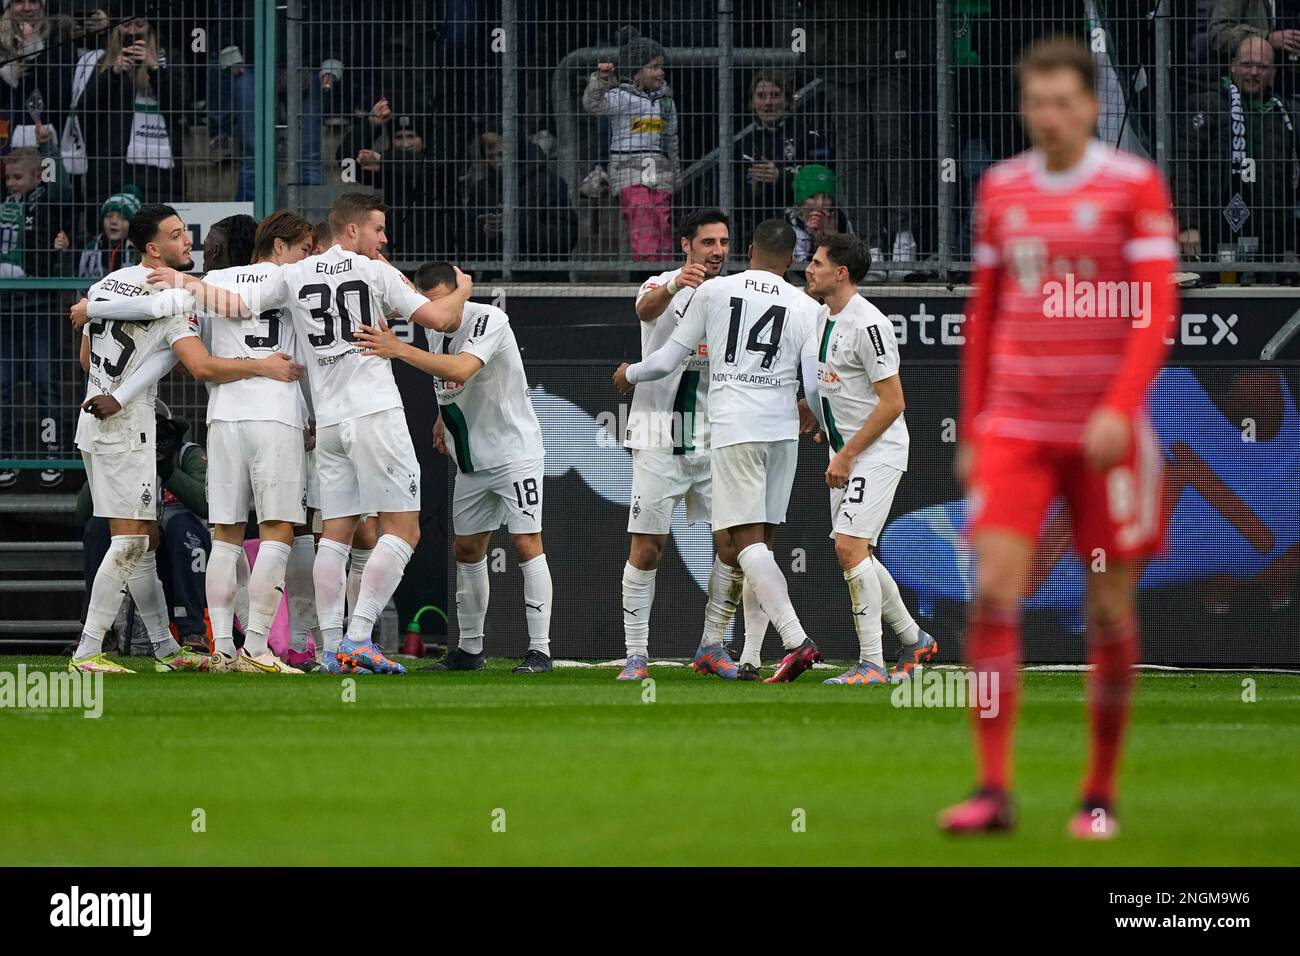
564 140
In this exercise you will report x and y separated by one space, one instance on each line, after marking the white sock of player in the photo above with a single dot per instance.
302 598
330 576
221 583
537 603
472 590
893 610
356 569
725 584
864 596
760 567
638 596
265 592
106 591
384 570
151 601
755 626
243 571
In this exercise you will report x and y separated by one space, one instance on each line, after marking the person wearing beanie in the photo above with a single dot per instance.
814 215
643 141
109 249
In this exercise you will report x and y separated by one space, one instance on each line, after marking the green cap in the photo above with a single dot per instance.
813 180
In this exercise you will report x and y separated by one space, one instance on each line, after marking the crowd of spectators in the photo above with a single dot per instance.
145 98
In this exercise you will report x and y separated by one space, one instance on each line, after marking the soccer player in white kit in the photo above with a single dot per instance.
118 449
862 408
488 426
668 434
760 331
256 455
364 455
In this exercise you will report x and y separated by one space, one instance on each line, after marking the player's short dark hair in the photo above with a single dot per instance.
281 224
692 224
1060 53
353 207
431 275
144 224
774 238
849 252
322 234
239 232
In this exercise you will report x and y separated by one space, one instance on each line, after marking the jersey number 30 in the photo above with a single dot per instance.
340 326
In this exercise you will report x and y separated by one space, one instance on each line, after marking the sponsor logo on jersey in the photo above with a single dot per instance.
649 124
877 342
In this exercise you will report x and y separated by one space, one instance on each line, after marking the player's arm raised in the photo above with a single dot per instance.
443 312
652 302
138 309
380 340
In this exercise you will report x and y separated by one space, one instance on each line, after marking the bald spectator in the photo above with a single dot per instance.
1238 190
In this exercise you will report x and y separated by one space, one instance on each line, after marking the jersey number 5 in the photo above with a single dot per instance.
342 325
774 316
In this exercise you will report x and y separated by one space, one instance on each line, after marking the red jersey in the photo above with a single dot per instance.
1072 294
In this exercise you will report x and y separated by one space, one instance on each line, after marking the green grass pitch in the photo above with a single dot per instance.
417 769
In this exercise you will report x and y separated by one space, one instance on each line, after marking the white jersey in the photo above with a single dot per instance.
756 327
857 348
673 411
117 348
489 420
328 296
264 334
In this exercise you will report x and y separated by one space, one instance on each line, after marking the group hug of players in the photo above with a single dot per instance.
1051 405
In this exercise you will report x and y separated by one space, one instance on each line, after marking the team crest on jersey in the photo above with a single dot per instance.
412 488
146 496
1086 215
636 507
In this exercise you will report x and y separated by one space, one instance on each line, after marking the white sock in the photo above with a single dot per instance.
770 589
330 575
301 591
265 592
384 570
638 596
242 573
472 590
221 584
864 596
893 610
725 584
151 601
108 588
356 569
537 603
755 626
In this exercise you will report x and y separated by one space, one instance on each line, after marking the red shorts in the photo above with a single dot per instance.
1119 510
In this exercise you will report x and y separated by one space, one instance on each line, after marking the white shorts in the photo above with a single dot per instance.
124 484
313 481
258 463
508 494
860 508
752 482
367 464
659 480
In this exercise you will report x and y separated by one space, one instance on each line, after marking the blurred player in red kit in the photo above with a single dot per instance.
1074 249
